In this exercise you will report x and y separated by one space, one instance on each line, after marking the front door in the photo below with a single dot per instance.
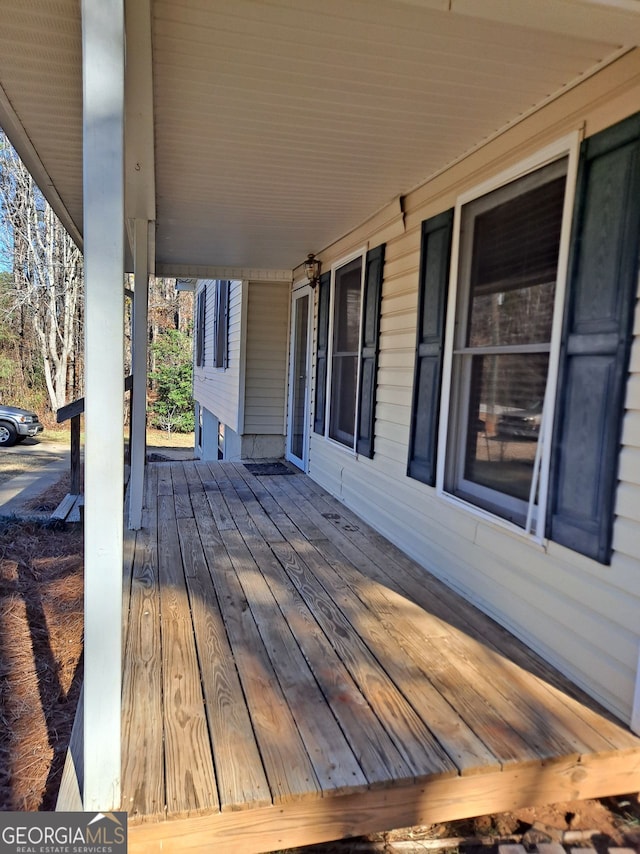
299 375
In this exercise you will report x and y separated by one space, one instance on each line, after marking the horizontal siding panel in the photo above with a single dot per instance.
393 451
394 433
631 429
263 411
394 414
626 536
326 464
405 283
264 387
523 564
396 378
394 395
400 324
633 392
628 505
262 428
630 465
398 340
405 265
398 359
402 303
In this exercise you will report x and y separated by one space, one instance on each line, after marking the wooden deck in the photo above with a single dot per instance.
291 677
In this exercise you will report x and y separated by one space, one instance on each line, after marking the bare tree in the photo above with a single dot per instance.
48 276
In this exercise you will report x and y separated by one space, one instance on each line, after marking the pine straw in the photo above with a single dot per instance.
41 601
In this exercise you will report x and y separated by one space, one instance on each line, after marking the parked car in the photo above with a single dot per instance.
521 423
17 424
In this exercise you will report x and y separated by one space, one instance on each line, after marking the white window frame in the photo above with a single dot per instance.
337 265
534 527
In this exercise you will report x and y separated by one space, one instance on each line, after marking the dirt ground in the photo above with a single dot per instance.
41 589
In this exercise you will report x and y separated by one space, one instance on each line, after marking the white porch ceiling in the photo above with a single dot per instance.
282 124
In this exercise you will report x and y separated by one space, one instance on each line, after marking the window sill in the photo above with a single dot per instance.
345 449
494 522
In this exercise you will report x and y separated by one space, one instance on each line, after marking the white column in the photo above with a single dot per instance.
103 125
139 396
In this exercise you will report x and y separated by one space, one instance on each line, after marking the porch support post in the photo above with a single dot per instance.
139 395
103 160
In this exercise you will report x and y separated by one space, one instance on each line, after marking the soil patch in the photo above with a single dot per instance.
41 601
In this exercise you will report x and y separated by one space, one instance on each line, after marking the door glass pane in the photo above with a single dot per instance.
503 420
344 360
299 379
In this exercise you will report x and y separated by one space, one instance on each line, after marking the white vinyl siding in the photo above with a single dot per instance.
266 358
218 389
578 614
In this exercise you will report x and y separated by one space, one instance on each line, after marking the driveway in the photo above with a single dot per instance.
28 469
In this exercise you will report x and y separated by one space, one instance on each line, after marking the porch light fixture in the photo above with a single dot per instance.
312 269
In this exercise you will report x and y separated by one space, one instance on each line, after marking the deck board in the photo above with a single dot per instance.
190 779
400 573
241 778
143 790
287 766
291 677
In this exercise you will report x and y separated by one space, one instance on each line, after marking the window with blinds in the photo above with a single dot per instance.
509 247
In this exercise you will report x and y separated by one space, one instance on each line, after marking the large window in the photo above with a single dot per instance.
345 351
508 268
525 321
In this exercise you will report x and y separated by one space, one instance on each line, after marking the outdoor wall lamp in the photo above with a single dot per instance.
312 269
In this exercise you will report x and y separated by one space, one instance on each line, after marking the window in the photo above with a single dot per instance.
345 351
509 248
200 327
539 325
355 308
221 324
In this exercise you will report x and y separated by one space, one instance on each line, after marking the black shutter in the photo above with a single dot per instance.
221 324
371 302
200 327
603 276
324 288
435 256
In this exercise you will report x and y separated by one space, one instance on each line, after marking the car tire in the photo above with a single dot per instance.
8 435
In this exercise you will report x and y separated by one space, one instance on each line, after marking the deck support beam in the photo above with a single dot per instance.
103 160
139 370
426 802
